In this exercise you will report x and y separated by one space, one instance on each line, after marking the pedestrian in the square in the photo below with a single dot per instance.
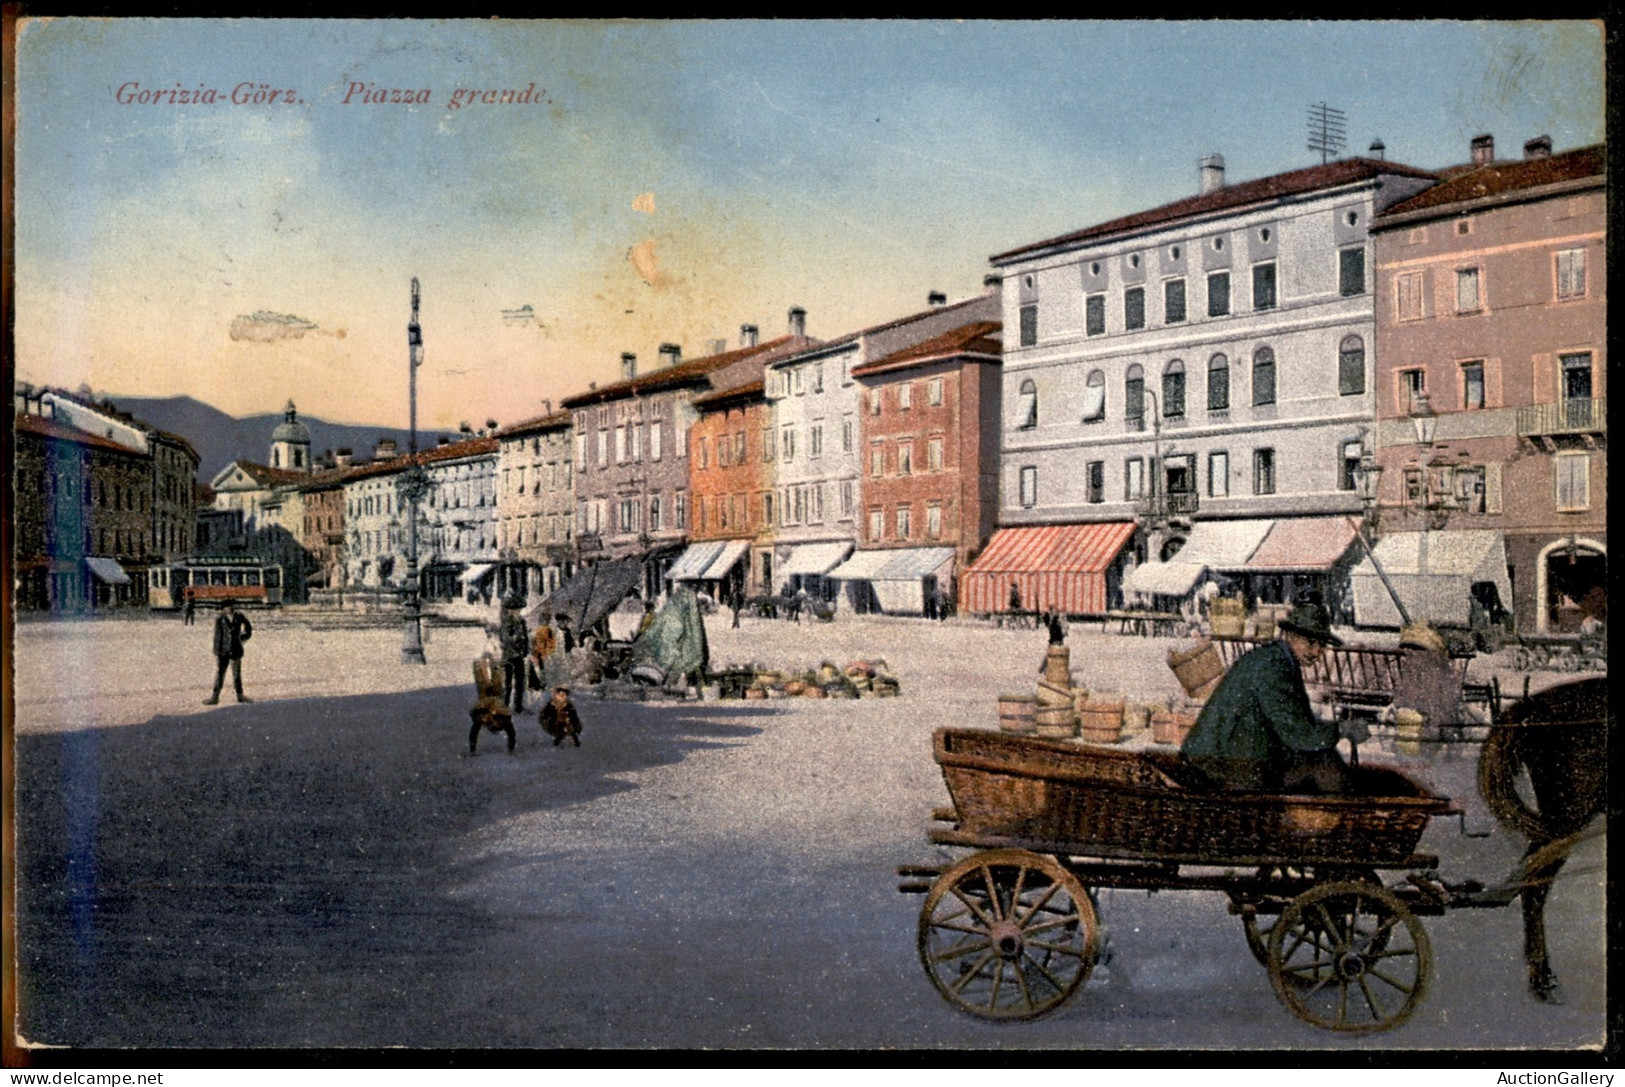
559 719
515 640
231 630
189 609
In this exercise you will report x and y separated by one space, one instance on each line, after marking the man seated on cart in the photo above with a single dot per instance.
1257 732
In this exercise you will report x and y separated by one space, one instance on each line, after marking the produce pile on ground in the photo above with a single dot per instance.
859 679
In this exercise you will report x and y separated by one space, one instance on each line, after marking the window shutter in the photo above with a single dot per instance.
1545 380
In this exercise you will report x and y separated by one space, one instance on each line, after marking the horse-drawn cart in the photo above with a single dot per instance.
1010 931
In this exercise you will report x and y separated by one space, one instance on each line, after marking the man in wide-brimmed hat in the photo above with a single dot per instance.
1257 731
515 640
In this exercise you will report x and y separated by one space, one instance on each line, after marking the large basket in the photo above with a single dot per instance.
1227 616
1092 801
1197 667
1016 713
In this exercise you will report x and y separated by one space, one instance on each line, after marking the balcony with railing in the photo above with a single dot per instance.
1170 506
1574 416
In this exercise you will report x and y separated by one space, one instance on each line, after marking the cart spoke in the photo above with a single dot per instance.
1333 933
962 950
1391 954
998 977
1380 976
1049 893
992 893
1342 1003
1331 975
1026 990
1382 931
975 970
974 908
1049 977
1378 1012
1045 926
1063 949
959 928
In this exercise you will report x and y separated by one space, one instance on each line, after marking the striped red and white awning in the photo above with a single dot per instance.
1055 568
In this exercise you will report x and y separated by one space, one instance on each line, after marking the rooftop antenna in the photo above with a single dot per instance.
1328 129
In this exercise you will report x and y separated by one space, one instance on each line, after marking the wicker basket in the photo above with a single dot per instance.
1055 722
1053 694
1197 666
1016 713
1136 718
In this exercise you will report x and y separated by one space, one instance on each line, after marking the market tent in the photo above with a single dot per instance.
674 646
898 575
732 551
1301 544
1433 573
692 564
593 593
476 572
107 570
1217 545
813 558
1056 568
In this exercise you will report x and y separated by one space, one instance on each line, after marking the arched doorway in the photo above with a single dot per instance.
1573 578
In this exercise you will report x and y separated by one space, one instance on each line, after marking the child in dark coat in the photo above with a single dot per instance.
559 719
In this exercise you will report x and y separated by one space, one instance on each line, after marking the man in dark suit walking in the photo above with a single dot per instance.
231 630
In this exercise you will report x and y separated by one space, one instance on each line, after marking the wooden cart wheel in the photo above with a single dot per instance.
1007 934
1256 927
1350 957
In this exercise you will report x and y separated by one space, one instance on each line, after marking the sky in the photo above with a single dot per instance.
664 181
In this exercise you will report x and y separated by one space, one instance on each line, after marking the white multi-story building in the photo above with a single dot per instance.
457 526
536 504
816 405
1209 359
374 540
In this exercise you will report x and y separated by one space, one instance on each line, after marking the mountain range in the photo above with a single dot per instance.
220 438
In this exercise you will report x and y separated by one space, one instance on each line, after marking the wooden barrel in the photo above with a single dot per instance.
1016 713
1171 727
1058 665
1101 720
1136 718
1056 722
1053 694
1197 666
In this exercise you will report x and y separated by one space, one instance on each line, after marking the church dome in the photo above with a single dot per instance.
291 429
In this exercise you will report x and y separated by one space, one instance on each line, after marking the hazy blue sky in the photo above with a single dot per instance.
847 167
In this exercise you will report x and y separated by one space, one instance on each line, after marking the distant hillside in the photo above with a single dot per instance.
220 438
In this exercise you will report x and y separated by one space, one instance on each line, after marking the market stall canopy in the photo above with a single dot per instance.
593 593
476 573
1433 573
693 562
1056 568
814 558
1301 544
107 570
1217 545
674 646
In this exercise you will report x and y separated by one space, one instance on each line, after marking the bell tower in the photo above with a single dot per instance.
290 442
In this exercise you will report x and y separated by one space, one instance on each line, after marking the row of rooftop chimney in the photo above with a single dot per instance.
1210 170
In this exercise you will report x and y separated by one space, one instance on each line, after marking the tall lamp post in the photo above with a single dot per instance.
411 490
1368 480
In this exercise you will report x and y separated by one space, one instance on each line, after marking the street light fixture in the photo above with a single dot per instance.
411 489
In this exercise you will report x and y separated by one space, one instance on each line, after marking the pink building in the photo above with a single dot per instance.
1491 367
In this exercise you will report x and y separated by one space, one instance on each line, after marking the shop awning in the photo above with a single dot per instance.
1433 573
1217 545
814 558
895 564
693 562
1055 568
476 573
1302 544
726 560
108 570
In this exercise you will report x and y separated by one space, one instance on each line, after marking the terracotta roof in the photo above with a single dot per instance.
853 337
1504 178
55 428
472 447
692 372
378 468
977 338
1330 175
551 421
749 390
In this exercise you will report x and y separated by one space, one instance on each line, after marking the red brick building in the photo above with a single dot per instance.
1491 384
929 474
731 457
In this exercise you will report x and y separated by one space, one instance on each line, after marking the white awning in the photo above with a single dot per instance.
816 558
107 570
692 563
732 551
1211 544
476 573
895 564
1433 573
862 566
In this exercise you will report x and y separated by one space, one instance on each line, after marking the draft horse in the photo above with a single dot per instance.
1559 739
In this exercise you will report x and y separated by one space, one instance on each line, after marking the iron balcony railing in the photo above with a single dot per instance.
1574 416
1174 504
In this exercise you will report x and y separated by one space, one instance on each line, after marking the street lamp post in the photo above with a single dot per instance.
1367 480
412 491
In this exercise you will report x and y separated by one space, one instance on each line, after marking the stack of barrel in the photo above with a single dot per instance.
1052 710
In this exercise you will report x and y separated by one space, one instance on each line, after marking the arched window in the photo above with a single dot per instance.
1263 376
1027 406
1173 389
1218 383
1351 366
1134 398
1094 396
